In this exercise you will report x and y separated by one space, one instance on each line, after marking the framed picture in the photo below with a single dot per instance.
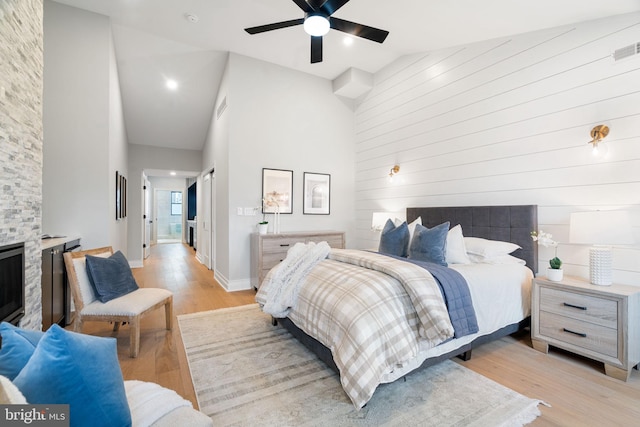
277 191
317 194
118 195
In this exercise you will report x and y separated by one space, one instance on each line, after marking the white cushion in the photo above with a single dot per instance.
87 292
456 251
488 248
130 304
9 393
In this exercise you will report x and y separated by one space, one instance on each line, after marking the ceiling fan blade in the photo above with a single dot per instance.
302 4
370 33
316 49
329 7
274 26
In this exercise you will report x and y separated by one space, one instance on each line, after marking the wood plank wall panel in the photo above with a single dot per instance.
507 121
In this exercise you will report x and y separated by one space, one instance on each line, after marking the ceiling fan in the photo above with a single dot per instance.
317 22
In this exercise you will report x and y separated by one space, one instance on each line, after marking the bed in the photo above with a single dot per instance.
500 294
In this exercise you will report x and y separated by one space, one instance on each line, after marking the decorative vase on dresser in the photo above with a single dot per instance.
599 323
267 250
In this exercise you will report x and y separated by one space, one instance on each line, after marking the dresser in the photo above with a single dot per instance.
598 322
267 250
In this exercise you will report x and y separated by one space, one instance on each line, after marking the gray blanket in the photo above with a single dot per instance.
455 292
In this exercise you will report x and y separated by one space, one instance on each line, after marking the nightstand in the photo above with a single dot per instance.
598 322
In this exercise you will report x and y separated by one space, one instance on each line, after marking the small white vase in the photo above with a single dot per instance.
554 274
262 228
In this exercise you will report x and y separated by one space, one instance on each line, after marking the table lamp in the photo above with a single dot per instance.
600 229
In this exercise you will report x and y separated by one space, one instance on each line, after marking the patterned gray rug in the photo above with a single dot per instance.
245 371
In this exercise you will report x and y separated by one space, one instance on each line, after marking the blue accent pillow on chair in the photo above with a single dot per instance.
111 277
17 347
429 244
81 371
394 240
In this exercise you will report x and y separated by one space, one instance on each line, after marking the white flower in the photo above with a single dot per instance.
544 239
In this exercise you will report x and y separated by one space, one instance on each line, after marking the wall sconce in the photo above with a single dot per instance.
394 170
598 133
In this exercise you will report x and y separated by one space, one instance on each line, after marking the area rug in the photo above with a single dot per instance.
246 371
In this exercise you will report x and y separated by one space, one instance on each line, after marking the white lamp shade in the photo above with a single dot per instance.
600 228
379 219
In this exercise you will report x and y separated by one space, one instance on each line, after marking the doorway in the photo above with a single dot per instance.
168 216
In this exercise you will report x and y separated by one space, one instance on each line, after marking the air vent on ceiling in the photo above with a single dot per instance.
222 107
627 51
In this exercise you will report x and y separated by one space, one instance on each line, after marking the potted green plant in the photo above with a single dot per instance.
554 271
263 225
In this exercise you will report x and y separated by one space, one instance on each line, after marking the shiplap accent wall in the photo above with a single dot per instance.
507 121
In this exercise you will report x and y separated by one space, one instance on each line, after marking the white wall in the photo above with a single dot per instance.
507 122
84 138
281 119
141 157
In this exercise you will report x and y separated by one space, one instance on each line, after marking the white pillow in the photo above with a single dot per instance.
9 393
488 248
412 226
456 252
500 259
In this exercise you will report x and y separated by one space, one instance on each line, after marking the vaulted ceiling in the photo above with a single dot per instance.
155 40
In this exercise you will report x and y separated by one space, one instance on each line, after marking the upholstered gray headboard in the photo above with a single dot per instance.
507 223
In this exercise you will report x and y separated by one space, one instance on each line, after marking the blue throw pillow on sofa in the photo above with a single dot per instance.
111 277
429 244
394 240
81 371
17 347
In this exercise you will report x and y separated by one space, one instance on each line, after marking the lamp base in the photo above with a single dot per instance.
600 265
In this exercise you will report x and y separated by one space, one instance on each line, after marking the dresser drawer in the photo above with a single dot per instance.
280 244
589 336
599 311
271 259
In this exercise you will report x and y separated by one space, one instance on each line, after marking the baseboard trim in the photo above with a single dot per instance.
136 263
232 286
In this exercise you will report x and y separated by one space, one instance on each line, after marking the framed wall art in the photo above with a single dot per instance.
277 191
121 196
317 194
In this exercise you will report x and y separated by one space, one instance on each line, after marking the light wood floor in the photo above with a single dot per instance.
577 389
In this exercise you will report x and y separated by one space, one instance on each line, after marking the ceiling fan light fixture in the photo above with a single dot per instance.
316 25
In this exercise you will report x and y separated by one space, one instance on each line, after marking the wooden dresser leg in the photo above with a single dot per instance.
540 345
618 373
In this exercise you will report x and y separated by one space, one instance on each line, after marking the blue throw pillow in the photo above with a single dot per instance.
17 347
81 371
429 244
111 277
394 240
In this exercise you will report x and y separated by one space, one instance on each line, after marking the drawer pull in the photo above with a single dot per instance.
580 334
579 307
284 245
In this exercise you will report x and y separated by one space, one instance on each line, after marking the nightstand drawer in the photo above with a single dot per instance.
576 332
600 311
335 241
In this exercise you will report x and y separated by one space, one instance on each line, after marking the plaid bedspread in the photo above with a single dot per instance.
371 318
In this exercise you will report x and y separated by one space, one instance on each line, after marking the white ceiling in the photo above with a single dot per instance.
154 41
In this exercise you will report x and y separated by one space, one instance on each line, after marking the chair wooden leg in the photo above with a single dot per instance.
134 336
77 324
168 312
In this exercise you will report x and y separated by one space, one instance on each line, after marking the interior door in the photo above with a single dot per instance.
204 244
147 217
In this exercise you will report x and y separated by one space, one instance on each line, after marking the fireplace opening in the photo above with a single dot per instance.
12 283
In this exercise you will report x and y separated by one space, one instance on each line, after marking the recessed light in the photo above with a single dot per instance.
348 41
172 84
172 173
